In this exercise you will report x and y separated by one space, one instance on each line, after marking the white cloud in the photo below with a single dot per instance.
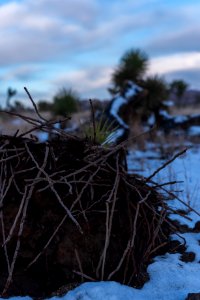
23 73
78 10
41 30
175 62
10 14
85 82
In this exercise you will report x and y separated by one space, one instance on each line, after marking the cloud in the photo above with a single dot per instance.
88 82
22 73
181 41
41 30
175 62
185 66
84 12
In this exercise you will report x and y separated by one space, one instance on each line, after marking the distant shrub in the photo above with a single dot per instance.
65 102
45 105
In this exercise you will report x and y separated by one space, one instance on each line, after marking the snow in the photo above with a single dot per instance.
115 107
180 119
168 103
194 130
42 136
132 90
151 120
114 136
165 114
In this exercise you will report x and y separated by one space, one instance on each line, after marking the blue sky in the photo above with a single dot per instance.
49 44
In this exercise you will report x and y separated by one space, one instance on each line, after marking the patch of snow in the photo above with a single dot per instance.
112 138
151 120
194 130
133 89
168 103
42 136
57 125
185 169
114 110
165 114
180 119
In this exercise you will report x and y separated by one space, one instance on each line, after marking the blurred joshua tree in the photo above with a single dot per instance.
178 87
10 93
132 67
158 92
65 102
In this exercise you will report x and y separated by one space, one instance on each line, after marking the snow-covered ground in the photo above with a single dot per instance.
170 278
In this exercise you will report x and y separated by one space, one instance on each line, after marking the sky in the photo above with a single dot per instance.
46 45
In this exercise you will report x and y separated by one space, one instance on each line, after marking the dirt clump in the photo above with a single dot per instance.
70 212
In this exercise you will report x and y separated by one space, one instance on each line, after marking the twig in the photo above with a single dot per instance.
34 105
48 242
93 121
165 164
79 262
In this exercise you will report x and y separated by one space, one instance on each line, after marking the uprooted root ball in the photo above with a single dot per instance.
71 213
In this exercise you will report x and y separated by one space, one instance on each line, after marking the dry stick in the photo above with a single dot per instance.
132 242
93 121
21 227
104 157
120 262
178 213
109 219
82 191
167 183
176 197
38 113
47 127
29 120
134 225
79 262
84 187
84 275
187 205
34 105
155 232
38 124
10 150
165 164
103 257
158 247
3 194
11 157
174 228
3 236
53 189
47 244
16 217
